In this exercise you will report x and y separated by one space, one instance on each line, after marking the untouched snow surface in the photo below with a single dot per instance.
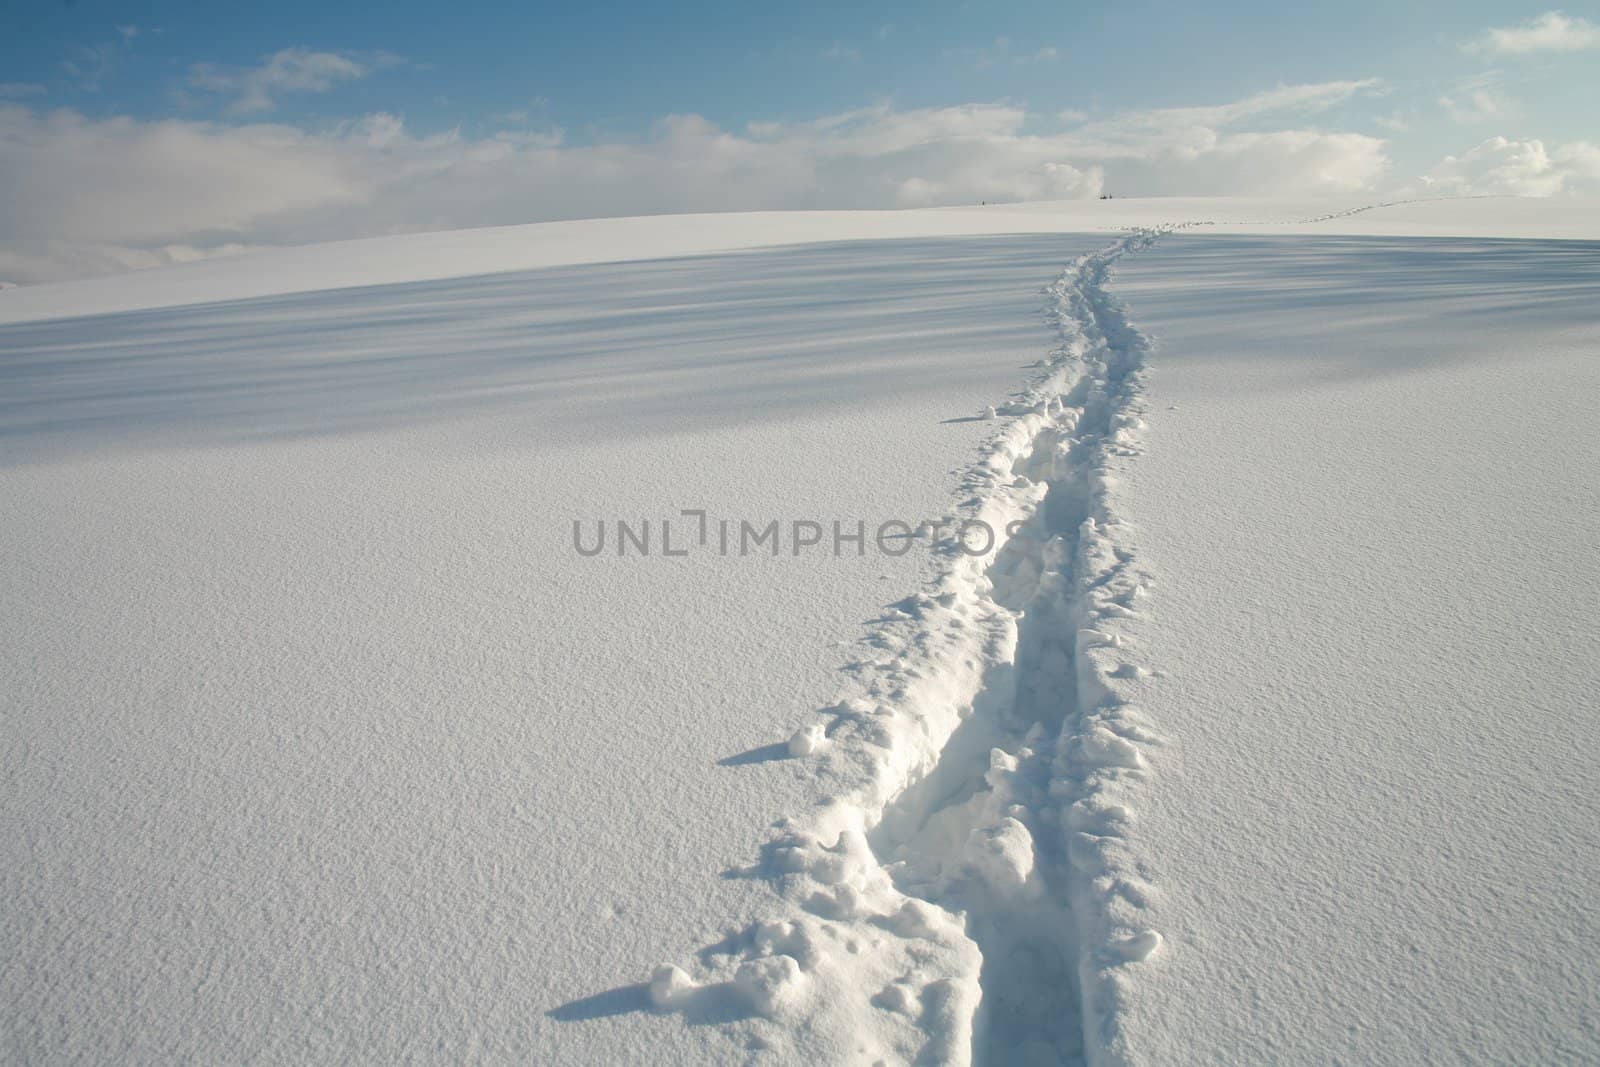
1261 733
461 253
1372 496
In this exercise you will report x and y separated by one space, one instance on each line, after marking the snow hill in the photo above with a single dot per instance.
1259 731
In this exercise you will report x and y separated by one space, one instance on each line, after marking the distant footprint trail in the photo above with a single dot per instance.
1022 823
971 891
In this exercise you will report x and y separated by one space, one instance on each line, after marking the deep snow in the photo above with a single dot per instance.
1372 496
323 741
1263 739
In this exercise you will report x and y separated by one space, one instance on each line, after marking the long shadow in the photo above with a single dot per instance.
619 1001
703 1006
761 754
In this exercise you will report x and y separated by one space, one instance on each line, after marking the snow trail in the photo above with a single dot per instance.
970 892
1021 818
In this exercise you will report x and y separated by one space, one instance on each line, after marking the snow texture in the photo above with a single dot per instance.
1372 493
1260 733
321 740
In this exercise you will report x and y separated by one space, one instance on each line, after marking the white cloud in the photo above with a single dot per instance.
83 195
292 70
1480 105
72 179
1293 99
1197 150
90 65
1550 32
16 90
1517 168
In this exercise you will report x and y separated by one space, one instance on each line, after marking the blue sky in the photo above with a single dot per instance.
1070 99
612 69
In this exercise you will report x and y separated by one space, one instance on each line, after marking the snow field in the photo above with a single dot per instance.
1259 734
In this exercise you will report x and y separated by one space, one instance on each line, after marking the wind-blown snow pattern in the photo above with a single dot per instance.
1259 735
973 892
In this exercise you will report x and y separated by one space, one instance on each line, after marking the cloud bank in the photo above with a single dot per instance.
81 195
1499 166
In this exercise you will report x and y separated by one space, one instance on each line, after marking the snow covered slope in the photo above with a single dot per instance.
321 739
462 253
1372 498
1257 733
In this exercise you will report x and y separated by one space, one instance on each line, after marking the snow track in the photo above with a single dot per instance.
972 893
1022 822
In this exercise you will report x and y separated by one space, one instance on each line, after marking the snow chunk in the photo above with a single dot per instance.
1002 854
1136 947
917 918
807 740
770 984
899 998
1102 748
669 986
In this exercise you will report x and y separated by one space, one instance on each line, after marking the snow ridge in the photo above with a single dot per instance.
970 892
